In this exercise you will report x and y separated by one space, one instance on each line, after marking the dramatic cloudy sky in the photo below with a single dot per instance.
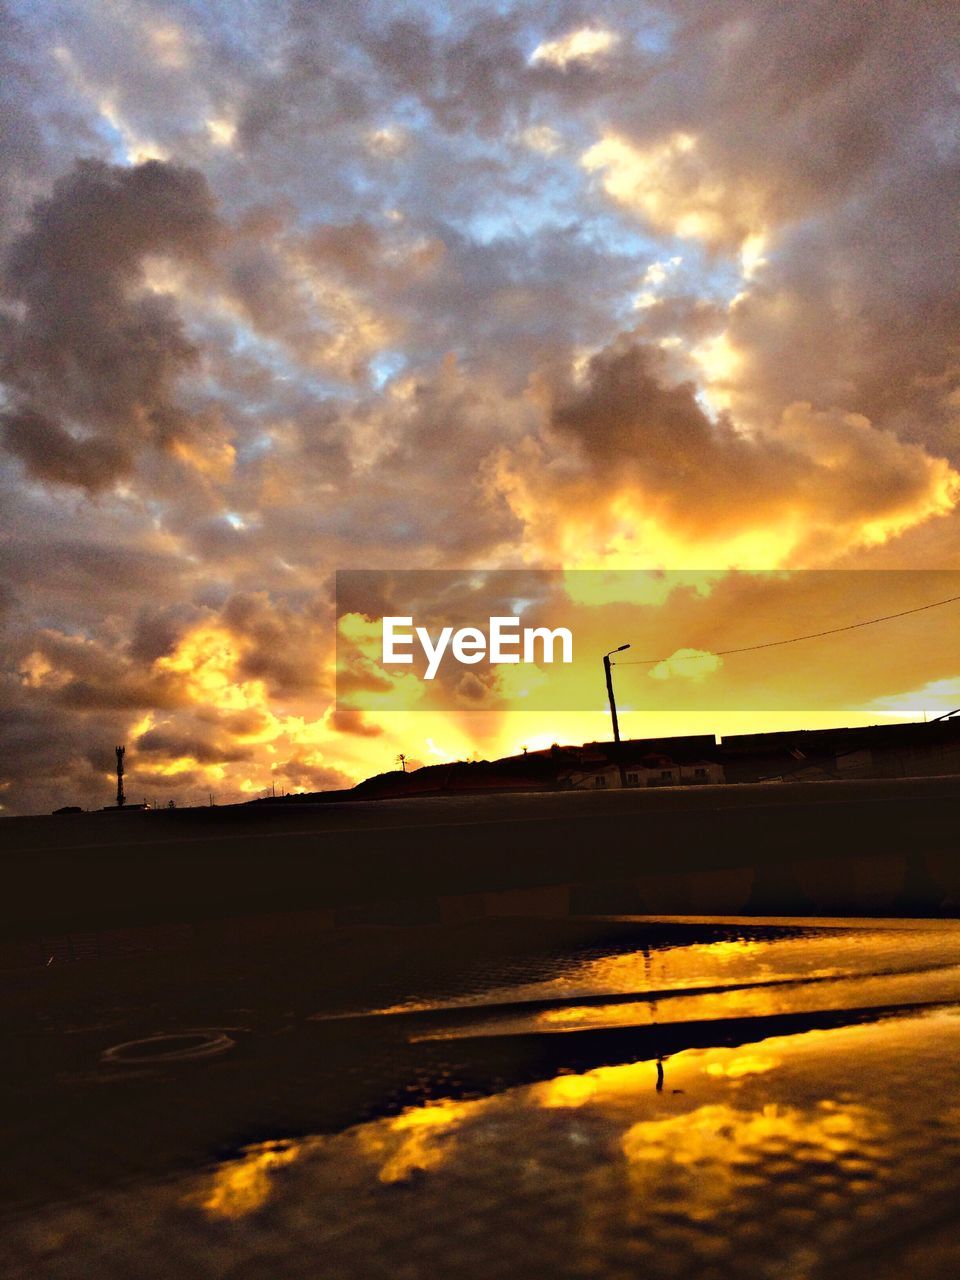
289 287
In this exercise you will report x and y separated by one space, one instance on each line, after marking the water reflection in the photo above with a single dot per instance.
751 1156
416 1141
869 991
242 1186
704 1158
744 1064
754 957
564 1091
782 1150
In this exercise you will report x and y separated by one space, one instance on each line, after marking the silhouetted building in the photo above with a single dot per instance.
873 751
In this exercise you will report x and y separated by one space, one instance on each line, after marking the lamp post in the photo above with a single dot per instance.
121 798
607 665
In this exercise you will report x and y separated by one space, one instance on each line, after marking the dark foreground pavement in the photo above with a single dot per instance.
866 847
584 1098
585 1036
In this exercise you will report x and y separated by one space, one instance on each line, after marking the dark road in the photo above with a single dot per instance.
804 848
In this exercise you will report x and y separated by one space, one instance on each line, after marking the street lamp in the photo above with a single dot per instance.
607 664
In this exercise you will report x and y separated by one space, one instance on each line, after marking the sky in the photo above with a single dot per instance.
292 288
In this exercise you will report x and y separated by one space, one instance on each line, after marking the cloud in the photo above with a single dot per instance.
542 138
51 453
687 664
587 44
677 189
175 746
488 287
94 357
346 720
624 446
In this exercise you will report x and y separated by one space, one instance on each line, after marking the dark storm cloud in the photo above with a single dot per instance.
629 426
172 746
21 141
346 720
467 82
830 129
93 360
298 774
796 105
865 312
51 453
427 488
58 570
155 631
626 418
74 672
49 758
281 645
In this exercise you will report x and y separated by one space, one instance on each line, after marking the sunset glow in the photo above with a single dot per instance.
378 287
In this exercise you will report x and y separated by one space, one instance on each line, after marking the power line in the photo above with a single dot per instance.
813 635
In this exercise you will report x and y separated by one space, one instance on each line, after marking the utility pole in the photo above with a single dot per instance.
121 798
607 665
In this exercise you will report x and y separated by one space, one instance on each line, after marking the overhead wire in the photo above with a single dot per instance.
773 644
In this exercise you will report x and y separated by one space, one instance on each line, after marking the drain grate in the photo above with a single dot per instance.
175 1046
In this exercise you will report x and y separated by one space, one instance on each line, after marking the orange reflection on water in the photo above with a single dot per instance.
747 1002
417 1140
565 1091
813 954
809 955
782 1148
736 1003
744 1064
666 968
663 968
706 1149
605 1088
240 1187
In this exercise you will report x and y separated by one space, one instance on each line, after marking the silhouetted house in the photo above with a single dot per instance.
644 762
873 751
876 751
